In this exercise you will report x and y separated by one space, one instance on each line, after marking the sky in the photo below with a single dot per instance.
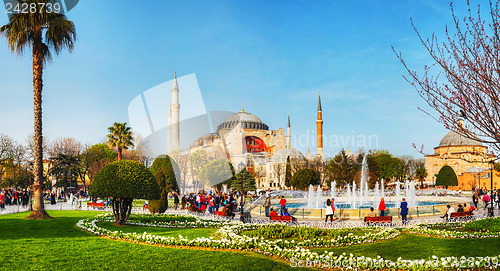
273 57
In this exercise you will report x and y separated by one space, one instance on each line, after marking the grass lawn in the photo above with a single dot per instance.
57 244
410 246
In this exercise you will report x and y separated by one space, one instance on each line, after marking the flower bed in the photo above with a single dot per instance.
228 237
484 228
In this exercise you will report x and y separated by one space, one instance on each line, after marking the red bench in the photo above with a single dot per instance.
467 214
218 213
94 205
281 218
378 219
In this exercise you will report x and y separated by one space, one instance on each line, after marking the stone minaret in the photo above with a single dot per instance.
173 138
319 129
288 135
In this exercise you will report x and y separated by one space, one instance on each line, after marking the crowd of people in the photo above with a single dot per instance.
482 194
10 197
227 203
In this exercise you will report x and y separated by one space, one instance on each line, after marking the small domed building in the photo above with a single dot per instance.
466 156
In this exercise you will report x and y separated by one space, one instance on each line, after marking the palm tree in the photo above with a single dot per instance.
43 32
120 136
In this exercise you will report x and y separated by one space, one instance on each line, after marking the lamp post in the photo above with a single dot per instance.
241 166
490 209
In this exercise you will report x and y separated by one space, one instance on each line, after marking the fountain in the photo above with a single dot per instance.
352 200
333 189
315 198
398 194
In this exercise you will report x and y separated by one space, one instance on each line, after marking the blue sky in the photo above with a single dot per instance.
271 56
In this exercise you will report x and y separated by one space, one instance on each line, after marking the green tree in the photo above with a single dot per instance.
248 181
341 169
305 177
446 177
163 170
94 158
288 173
215 172
43 32
65 168
120 136
421 173
124 181
388 165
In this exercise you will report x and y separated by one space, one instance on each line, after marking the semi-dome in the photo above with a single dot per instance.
283 154
453 138
311 156
248 121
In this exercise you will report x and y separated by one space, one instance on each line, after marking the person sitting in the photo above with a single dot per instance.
448 212
466 209
371 213
273 212
460 208
285 212
471 209
227 211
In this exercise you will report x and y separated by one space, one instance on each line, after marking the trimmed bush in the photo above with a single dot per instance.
165 177
124 181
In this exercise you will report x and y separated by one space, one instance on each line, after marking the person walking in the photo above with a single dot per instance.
176 200
282 204
497 198
486 200
404 210
475 198
267 205
381 206
329 210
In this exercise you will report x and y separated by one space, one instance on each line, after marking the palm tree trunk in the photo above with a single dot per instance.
38 206
119 153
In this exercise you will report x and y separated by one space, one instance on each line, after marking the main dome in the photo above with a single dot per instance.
248 121
453 138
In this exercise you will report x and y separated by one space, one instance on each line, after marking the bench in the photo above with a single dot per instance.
94 205
378 219
457 215
218 213
281 218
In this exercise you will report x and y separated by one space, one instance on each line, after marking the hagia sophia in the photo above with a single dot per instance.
469 159
245 139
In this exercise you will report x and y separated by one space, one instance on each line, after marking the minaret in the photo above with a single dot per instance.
288 135
173 118
319 129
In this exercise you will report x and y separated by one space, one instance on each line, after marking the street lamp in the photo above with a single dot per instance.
241 166
490 210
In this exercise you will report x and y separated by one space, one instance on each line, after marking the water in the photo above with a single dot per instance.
344 205
359 197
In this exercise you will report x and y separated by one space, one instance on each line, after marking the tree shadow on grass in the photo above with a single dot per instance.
61 225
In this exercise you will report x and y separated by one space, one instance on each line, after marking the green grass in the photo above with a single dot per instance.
409 246
57 244
174 232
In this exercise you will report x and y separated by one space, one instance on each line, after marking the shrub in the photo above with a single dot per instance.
165 177
124 181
